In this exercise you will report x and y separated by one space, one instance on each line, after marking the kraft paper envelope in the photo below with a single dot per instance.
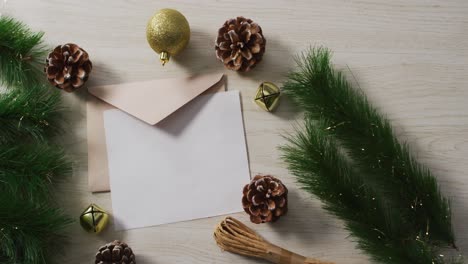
149 101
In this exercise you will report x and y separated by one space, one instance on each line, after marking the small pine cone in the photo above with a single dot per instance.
68 67
265 199
240 44
115 253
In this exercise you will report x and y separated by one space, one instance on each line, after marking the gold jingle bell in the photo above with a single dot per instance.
94 219
168 33
267 96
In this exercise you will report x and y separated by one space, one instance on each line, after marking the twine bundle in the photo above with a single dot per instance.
233 236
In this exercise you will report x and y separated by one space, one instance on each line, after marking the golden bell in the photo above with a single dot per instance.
267 96
94 219
168 33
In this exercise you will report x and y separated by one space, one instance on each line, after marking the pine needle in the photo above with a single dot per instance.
29 233
30 113
29 170
384 164
22 54
314 157
33 113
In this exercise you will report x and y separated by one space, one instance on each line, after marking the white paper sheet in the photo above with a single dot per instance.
191 165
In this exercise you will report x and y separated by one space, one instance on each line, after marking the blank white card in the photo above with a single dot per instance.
191 165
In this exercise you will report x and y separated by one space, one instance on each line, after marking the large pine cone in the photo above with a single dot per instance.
265 199
115 253
240 44
68 67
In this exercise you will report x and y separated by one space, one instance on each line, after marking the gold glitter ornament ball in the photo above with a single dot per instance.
168 33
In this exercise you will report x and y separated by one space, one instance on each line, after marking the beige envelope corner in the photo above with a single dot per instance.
150 101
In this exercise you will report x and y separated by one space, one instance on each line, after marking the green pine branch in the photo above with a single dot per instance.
324 93
30 113
22 54
315 158
34 113
29 233
29 170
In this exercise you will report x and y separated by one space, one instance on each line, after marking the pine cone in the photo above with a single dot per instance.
240 44
115 253
265 199
68 67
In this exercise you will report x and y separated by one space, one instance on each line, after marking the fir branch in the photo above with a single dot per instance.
22 54
33 113
28 170
324 93
314 157
29 233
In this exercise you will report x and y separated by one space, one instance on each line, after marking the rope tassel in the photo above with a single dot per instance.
233 236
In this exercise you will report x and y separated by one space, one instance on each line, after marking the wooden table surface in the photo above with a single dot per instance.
410 57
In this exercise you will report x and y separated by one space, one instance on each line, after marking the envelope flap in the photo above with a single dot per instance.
152 101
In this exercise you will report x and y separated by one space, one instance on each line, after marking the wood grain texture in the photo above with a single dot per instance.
410 57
